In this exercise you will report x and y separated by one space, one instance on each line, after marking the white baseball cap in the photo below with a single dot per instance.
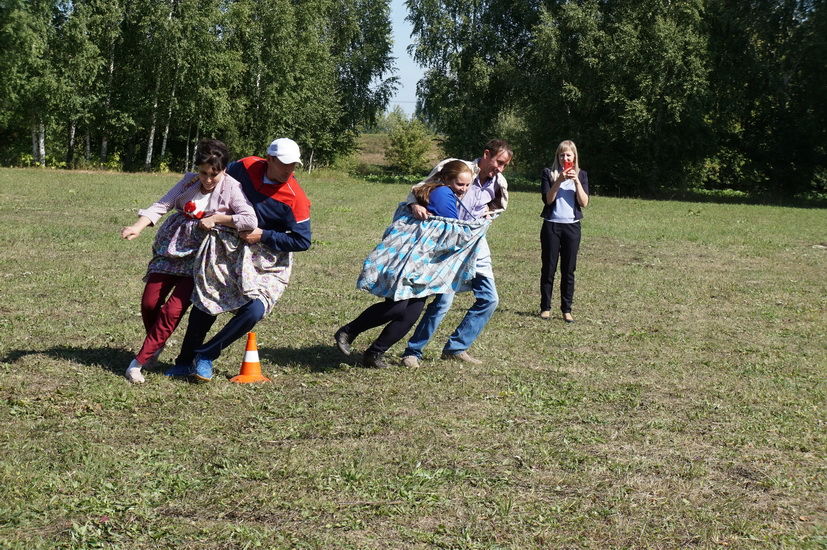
286 150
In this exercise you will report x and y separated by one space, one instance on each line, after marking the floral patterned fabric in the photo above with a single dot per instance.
229 273
420 258
176 243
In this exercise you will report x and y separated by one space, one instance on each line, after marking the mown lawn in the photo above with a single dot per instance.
684 408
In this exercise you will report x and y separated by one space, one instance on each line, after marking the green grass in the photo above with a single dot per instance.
685 408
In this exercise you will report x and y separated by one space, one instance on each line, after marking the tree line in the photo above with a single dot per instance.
133 84
658 94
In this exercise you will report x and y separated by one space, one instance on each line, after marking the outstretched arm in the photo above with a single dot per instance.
131 231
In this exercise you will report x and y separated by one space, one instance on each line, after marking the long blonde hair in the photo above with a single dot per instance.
450 170
567 145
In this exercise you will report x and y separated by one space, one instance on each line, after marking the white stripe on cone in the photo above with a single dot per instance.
251 356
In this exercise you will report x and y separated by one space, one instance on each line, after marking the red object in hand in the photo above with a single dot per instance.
567 165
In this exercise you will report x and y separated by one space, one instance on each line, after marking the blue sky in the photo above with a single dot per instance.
407 71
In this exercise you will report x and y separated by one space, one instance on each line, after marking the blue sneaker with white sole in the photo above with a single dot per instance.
203 369
179 370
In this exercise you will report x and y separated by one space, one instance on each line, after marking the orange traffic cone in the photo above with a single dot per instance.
250 368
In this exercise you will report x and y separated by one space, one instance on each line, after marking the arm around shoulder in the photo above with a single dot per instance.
297 239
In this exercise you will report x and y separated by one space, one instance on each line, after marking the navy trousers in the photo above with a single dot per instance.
200 322
558 240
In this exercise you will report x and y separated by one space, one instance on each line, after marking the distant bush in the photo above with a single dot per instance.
409 143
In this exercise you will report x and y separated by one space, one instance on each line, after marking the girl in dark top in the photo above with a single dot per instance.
440 196
565 191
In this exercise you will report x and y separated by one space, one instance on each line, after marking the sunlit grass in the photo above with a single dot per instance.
685 407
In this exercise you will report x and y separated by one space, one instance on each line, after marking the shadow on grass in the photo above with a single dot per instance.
523 313
313 358
109 359
318 358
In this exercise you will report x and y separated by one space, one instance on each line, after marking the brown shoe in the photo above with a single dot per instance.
567 317
410 361
461 356
545 314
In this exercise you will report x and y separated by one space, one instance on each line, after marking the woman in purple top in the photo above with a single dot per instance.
201 201
440 195
565 191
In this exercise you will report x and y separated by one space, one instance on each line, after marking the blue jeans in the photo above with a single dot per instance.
427 326
485 292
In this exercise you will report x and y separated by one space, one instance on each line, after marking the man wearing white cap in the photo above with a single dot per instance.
283 212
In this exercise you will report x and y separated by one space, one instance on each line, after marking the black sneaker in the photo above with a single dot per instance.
374 360
343 340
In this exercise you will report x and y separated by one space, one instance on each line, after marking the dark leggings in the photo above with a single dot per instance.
558 240
400 318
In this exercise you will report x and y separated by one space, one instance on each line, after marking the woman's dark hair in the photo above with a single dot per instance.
212 152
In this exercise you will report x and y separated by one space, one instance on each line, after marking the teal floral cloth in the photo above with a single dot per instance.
229 273
420 258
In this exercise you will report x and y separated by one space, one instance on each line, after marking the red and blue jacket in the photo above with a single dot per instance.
282 209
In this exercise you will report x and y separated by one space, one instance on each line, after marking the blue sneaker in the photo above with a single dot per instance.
203 369
178 370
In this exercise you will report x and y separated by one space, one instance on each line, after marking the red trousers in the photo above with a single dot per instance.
165 300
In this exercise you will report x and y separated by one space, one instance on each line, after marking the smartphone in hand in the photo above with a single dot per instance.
567 165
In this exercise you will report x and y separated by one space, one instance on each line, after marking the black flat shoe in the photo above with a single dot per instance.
343 341
568 319
373 360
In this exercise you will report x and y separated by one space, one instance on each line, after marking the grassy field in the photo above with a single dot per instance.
684 408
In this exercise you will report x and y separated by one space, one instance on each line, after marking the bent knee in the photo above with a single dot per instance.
489 304
256 310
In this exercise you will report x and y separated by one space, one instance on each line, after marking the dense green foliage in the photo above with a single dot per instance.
135 83
657 94
409 143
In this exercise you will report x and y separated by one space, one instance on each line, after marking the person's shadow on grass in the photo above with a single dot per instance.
114 360
317 358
